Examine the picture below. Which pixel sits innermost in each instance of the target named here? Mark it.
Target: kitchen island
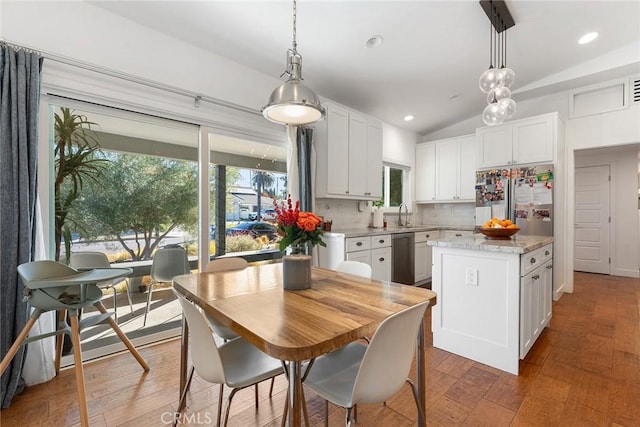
(494, 296)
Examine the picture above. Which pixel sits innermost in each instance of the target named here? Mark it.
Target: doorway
(592, 219)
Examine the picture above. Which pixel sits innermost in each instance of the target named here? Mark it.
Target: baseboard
(625, 272)
(557, 294)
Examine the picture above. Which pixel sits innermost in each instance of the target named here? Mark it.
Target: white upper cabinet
(521, 142)
(374, 159)
(467, 149)
(426, 172)
(349, 155)
(445, 170)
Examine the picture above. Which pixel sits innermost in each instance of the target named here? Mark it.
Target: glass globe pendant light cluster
(497, 80)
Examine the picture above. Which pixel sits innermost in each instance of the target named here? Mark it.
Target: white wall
(84, 32)
(399, 146)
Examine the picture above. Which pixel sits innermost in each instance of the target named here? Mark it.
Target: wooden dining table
(297, 326)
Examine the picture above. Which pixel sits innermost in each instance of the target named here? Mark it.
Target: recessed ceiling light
(374, 41)
(408, 118)
(588, 38)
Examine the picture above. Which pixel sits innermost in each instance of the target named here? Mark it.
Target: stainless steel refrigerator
(524, 195)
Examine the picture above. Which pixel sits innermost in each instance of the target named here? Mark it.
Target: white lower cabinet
(361, 256)
(456, 233)
(374, 251)
(381, 264)
(423, 255)
(535, 300)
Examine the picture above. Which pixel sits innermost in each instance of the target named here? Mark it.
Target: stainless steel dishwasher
(402, 251)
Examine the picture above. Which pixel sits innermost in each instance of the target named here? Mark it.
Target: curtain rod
(130, 78)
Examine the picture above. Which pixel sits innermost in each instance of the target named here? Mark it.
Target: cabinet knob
(428, 236)
(533, 261)
(381, 241)
(359, 244)
(381, 259)
(549, 267)
(546, 253)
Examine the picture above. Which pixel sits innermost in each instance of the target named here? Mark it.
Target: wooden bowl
(498, 233)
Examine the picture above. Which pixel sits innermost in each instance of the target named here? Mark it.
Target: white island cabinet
(494, 296)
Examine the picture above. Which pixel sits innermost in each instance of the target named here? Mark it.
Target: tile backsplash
(462, 214)
(347, 214)
(344, 213)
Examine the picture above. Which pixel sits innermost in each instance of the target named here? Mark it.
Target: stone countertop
(515, 245)
(363, 232)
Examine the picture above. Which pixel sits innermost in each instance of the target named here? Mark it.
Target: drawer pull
(359, 244)
(536, 277)
(549, 267)
(533, 260)
(381, 259)
(381, 241)
(458, 235)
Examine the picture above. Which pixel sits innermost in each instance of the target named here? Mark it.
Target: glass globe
(509, 107)
(493, 114)
(506, 76)
(488, 80)
(501, 92)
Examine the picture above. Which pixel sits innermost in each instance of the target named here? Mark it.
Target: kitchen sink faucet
(406, 213)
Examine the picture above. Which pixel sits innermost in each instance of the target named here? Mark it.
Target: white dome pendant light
(293, 103)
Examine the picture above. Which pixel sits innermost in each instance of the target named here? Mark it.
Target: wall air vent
(635, 89)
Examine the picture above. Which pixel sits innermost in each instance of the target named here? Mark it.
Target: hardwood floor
(583, 370)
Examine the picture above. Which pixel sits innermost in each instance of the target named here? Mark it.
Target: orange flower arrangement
(295, 227)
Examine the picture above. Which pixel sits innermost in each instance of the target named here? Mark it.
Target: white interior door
(592, 219)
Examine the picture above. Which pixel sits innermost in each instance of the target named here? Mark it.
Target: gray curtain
(19, 104)
(303, 146)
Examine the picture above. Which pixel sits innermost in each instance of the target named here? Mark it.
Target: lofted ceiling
(431, 57)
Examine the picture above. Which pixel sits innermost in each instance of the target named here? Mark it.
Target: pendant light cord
(490, 42)
(295, 43)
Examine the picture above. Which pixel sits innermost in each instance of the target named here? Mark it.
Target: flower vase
(296, 268)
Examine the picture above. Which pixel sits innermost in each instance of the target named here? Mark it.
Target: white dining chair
(236, 363)
(224, 264)
(168, 263)
(90, 260)
(359, 373)
(356, 268)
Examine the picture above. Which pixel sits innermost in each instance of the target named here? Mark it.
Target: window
(252, 177)
(394, 188)
(139, 192)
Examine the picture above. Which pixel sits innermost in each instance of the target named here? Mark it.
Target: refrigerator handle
(509, 194)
